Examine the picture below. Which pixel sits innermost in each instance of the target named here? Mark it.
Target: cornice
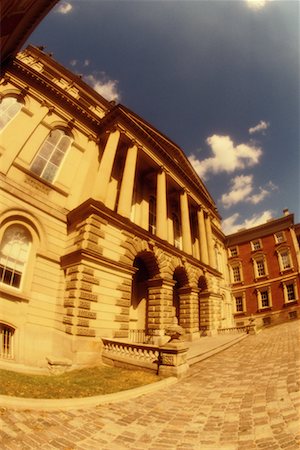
(55, 94)
(268, 228)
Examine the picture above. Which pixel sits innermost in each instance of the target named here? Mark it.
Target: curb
(66, 404)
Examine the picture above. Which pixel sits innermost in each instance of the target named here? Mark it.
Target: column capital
(184, 190)
(162, 168)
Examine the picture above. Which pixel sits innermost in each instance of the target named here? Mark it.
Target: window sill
(290, 303)
(262, 277)
(240, 313)
(12, 294)
(288, 269)
(266, 308)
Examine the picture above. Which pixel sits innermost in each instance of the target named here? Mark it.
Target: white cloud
(241, 188)
(86, 62)
(261, 126)
(107, 88)
(256, 5)
(227, 157)
(73, 62)
(231, 225)
(64, 8)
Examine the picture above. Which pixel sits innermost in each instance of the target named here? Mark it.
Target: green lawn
(77, 383)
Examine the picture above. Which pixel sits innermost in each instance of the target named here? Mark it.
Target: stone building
(105, 228)
(264, 266)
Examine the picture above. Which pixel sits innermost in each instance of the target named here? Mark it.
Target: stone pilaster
(79, 298)
(160, 299)
(189, 310)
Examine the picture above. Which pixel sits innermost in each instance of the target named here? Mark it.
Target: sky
(218, 77)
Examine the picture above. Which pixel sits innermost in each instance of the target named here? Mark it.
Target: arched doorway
(138, 311)
(181, 280)
(202, 303)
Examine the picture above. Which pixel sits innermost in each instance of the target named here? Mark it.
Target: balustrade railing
(235, 330)
(137, 336)
(138, 352)
(167, 360)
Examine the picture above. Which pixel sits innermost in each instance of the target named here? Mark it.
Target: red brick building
(264, 264)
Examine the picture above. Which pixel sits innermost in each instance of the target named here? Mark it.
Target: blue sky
(220, 78)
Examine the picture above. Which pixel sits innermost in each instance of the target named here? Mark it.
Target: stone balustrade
(249, 329)
(167, 360)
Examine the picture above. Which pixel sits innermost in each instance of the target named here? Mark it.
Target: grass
(77, 383)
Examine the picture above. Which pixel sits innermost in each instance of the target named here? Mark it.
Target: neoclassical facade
(105, 228)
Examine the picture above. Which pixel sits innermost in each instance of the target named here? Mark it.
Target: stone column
(210, 242)
(127, 185)
(106, 165)
(185, 223)
(202, 236)
(161, 205)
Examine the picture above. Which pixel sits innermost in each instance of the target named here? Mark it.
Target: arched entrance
(181, 280)
(139, 301)
(203, 305)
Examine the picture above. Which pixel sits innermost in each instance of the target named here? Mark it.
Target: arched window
(50, 154)
(14, 252)
(9, 108)
(6, 341)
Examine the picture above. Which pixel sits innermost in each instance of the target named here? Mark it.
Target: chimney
(286, 212)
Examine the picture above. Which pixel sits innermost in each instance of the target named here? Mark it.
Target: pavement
(245, 397)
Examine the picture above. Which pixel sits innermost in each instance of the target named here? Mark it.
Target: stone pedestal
(173, 359)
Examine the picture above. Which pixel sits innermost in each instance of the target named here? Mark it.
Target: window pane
(46, 150)
(49, 172)
(264, 299)
(57, 157)
(38, 165)
(54, 136)
(64, 143)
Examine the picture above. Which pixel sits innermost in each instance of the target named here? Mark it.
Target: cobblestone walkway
(244, 398)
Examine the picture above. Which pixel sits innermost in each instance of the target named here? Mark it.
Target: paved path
(244, 398)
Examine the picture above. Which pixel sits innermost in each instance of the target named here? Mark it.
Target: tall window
(9, 108)
(50, 155)
(260, 266)
(177, 231)
(285, 260)
(264, 299)
(236, 274)
(239, 307)
(152, 214)
(14, 253)
(290, 290)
